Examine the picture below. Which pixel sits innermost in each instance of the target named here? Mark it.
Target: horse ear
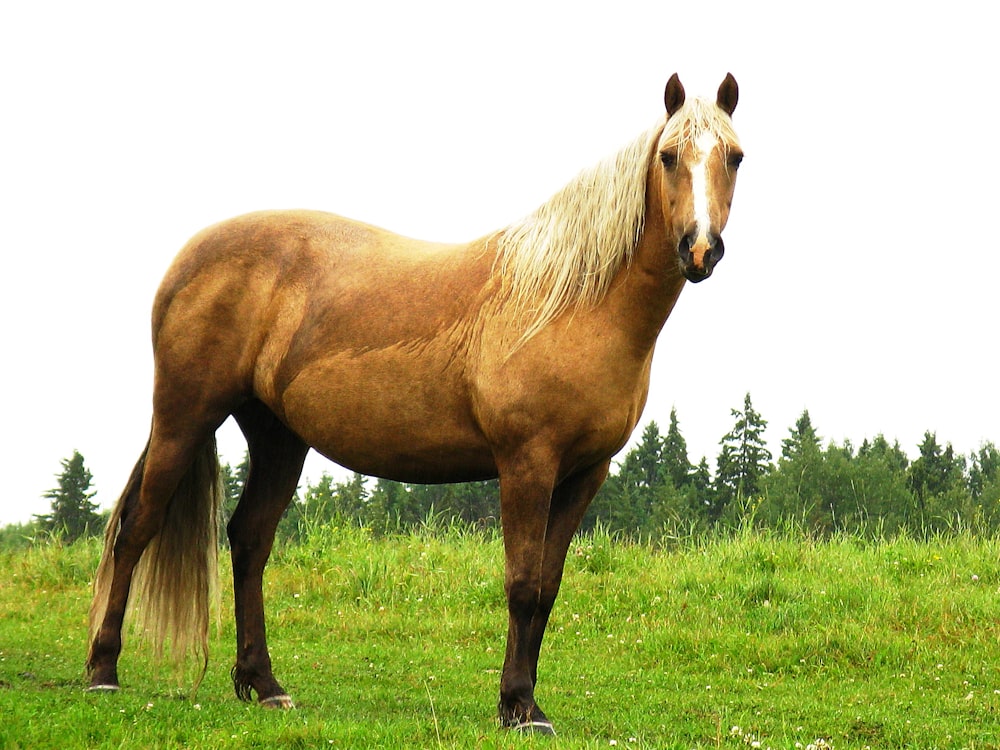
(729, 94)
(674, 95)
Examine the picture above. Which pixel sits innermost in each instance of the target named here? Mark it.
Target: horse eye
(735, 160)
(669, 159)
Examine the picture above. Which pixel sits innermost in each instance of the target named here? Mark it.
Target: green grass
(397, 642)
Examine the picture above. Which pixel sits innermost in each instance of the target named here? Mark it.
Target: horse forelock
(567, 252)
(695, 119)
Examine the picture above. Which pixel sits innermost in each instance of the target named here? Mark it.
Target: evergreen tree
(472, 502)
(984, 469)
(351, 498)
(880, 482)
(701, 492)
(73, 514)
(879, 448)
(641, 468)
(641, 477)
(392, 506)
(343, 502)
(743, 461)
(802, 438)
(935, 471)
(794, 491)
(674, 454)
(937, 480)
(233, 482)
(627, 500)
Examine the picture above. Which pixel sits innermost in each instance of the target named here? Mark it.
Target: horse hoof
(534, 727)
(277, 701)
(103, 689)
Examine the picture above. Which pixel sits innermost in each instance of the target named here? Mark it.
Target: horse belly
(389, 416)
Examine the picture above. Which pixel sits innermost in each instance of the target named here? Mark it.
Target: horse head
(699, 155)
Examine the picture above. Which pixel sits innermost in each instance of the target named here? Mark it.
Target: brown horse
(523, 355)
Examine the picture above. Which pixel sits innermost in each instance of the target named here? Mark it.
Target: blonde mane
(568, 251)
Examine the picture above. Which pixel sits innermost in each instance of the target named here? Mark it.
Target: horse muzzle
(697, 256)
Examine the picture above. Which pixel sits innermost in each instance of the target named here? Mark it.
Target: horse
(523, 355)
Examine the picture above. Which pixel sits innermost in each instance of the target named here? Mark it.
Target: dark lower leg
(276, 456)
(139, 524)
(569, 504)
(525, 498)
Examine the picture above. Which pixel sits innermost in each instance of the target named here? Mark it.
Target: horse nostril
(716, 251)
(684, 249)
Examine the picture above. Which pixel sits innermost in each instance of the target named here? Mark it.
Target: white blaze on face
(704, 146)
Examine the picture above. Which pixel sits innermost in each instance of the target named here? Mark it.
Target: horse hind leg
(105, 630)
(276, 459)
(172, 496)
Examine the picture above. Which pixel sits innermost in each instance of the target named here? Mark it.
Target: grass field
(753, 641)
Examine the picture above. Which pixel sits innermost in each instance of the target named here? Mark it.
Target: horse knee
(523, 594)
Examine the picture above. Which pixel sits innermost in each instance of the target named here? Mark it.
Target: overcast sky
(861, 260)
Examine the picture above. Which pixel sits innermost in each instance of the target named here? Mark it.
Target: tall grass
(396, 640)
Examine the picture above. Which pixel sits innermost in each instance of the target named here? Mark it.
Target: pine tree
(701, 492)
(936, 470)
(801, 439)
(73, 514)
(795, 489)
(641, 467)
(393, 507)
(233, 481)
(984, 470)
(743, 461)
(674, 454)
(894, 456)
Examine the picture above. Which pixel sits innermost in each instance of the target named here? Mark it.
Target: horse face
(698, 158)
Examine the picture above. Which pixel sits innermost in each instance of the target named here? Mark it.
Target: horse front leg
(569, 504)
(276, 458)
(525, 499)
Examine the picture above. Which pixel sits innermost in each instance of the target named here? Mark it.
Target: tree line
(655, 491)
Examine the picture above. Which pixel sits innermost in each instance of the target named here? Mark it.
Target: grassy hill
(756, 640)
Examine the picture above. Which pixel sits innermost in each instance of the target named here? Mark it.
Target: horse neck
(649, 286)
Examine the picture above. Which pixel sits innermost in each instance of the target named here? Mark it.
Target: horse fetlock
(247, 681)
(102, 669)
(526, 718)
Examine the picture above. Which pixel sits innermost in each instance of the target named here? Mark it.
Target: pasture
(753, 640)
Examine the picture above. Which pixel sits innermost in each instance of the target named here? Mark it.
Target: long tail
(176, 579)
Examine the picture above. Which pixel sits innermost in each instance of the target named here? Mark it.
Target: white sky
(861, 265)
